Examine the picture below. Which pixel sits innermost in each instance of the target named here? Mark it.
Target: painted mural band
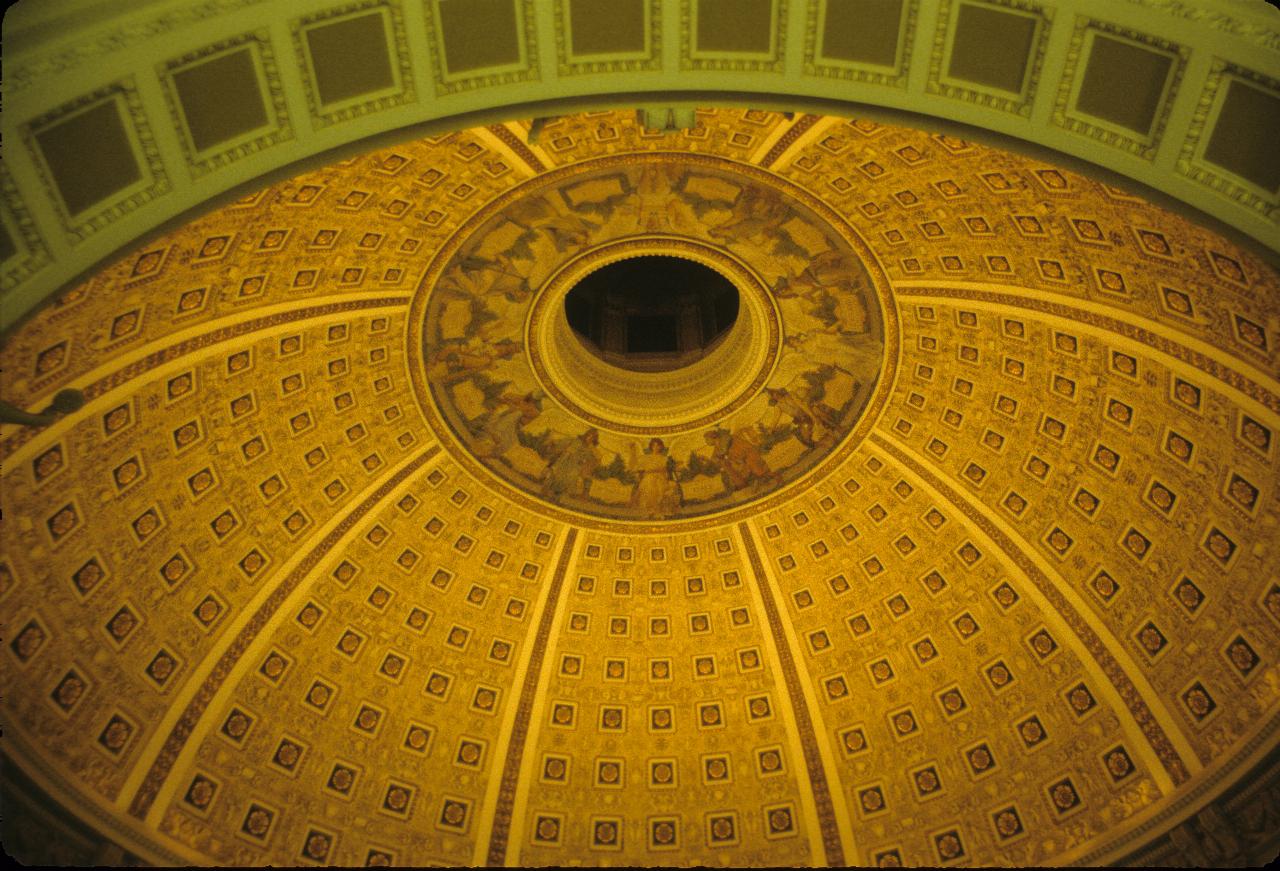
(480, 294)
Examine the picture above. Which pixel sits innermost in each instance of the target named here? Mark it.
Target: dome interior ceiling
(123, 121)
(290, 588)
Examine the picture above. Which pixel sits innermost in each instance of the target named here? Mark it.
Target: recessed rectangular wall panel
(221, 98)
(355, 59)
(862, 31)
(992, 47)
(226, 101)
(479, 34)
(350, 57)
(89, 155)
(1124, 83)
(22, 250)
(1246, 136)
(739, 26)
(601, 27)
(1118, 86)
(8, 248)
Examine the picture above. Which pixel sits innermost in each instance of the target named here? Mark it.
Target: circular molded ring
(654, 403)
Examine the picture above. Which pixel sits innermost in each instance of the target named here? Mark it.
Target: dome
(955, 544)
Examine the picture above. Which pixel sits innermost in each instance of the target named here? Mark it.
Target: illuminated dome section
(957, 546)
(604, 431)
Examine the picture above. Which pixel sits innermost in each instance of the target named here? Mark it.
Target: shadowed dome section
(652, 313)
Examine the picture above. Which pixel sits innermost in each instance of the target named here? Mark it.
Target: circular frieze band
(494, 359)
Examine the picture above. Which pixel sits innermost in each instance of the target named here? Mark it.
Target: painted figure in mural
(537, 215)
(754, 213)
(829, 283)
(454, 362)
(658, 206)
(790, 406)
(738, 458)
(499, 431)
(656, 493)
(571, 472)
(497, 275)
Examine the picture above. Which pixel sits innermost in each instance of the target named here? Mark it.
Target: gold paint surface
(267, 603)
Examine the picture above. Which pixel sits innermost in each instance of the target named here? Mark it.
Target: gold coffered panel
(208, 98)
(267, 607)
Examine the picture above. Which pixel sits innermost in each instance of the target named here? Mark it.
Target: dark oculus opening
(652, 313)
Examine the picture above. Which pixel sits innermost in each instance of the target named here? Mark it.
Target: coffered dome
(958, 547)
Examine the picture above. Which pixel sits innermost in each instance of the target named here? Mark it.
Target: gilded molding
(498, 838)
(800, 708)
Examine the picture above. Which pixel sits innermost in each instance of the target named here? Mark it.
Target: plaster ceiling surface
(989, 577)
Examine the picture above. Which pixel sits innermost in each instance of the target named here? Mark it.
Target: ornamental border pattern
(798, 129)
(1266, 37)
(21, 77)
(800, 708)
(508, 138)
(33, 254)
(505, 807)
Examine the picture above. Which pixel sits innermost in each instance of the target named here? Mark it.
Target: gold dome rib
(264, 608)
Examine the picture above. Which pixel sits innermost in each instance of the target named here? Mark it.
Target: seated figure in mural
(740, 461)
(571, 472)
(789, 405)
(657, 200)
(656, 493)
(498, 431)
